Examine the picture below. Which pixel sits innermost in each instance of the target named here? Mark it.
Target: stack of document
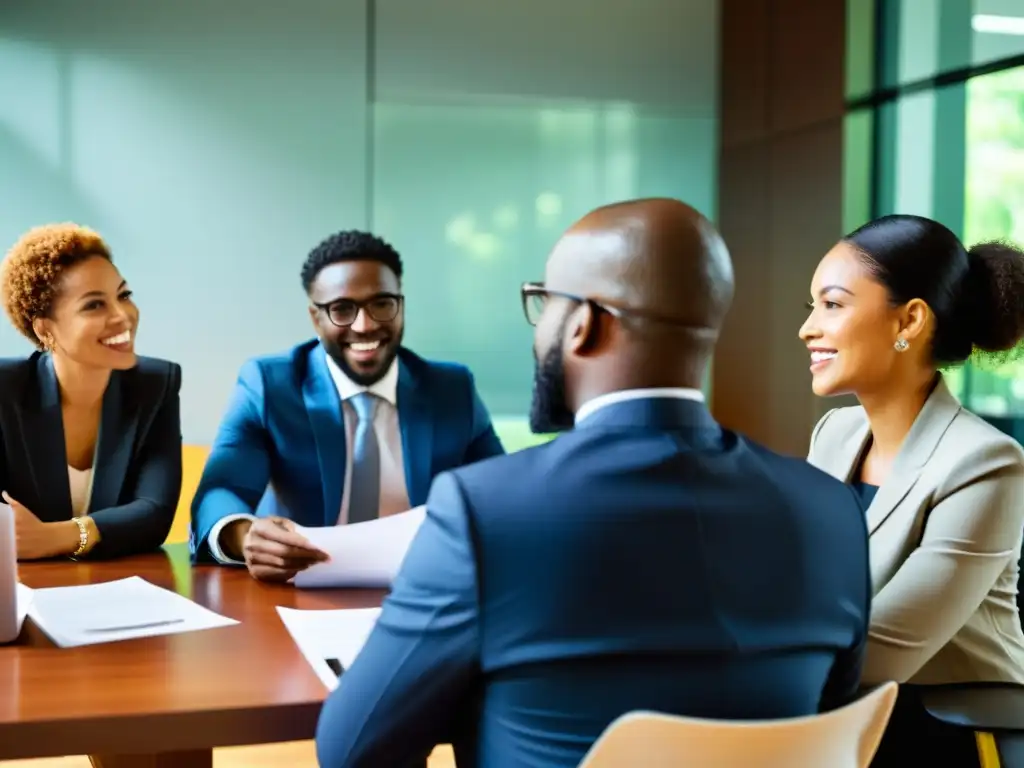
(116, 610)
(330, 640)
(362, 554)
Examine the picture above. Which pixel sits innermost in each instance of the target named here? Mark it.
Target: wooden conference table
(165, 701)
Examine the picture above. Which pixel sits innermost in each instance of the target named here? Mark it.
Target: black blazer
(137, 467)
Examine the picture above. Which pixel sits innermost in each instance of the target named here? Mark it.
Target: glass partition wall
(935, 127)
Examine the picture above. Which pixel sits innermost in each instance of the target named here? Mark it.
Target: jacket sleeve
(484, 442)
(238, 469)
(402, 695)
(970, 536)
(143, 523)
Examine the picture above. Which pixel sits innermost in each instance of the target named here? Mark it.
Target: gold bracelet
(83, 536)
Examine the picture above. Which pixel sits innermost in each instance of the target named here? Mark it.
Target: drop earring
(901, 345)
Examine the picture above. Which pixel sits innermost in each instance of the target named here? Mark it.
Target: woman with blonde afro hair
(90, 432)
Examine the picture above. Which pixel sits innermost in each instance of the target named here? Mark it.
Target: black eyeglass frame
(529, 290)
(362, 306)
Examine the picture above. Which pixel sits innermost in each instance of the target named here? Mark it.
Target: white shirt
(80, 485)
(394, 496)
(602, 401)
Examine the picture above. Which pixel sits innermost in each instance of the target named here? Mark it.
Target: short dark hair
(976, 294)
(349, 245)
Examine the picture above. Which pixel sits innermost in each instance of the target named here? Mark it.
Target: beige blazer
(945, 531)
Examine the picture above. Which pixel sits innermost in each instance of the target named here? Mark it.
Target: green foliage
(994, 208)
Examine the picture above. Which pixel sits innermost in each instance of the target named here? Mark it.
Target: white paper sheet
(24, 596)
(323, 635)
(117, 610)
(363, 554)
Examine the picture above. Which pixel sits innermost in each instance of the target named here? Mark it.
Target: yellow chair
(193, 459)
(988, 750)
(993, 711)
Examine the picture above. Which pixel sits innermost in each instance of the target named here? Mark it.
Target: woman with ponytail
(893, 304)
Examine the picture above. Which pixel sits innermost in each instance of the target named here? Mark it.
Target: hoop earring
(901, 345)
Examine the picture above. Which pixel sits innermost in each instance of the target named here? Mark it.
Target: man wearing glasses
(646, 559)
(344, 428)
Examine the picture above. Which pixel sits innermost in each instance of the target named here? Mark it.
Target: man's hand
(36, 539)
(273, 551)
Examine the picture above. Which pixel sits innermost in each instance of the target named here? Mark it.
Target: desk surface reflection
(184, 694)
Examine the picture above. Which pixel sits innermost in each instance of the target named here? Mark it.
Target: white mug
(9, 628)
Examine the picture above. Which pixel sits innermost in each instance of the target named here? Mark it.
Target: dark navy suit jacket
(137, 467)
(646, 560)
(285, 426)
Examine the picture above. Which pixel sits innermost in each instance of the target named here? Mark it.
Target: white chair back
(842, 738)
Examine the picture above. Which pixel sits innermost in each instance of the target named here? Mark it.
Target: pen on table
(128, 627)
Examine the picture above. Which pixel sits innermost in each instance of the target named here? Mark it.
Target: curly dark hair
(976, 294)
(349, 245)
(31, 271)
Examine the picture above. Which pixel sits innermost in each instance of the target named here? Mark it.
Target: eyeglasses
(535, 297)
(383, 308)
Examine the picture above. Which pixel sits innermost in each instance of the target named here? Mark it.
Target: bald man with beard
(647, 558)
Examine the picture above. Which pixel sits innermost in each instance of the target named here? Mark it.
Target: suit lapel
(43, 429)
(930, 425)
(327, 421)
(843, 463)
(415, 417)
(119, 422)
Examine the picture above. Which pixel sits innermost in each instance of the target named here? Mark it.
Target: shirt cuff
(214, 543)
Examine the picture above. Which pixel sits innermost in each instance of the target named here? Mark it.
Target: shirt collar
(386, 388)
(602, 401)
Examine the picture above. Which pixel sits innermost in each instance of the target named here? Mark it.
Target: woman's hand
(36, 539)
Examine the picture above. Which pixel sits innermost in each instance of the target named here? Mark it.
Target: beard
(363, 378)
(549, 411)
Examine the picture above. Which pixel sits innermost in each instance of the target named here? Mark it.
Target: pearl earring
(901, 345)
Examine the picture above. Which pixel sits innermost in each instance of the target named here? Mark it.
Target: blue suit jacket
(646, 560)
(284, 426)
